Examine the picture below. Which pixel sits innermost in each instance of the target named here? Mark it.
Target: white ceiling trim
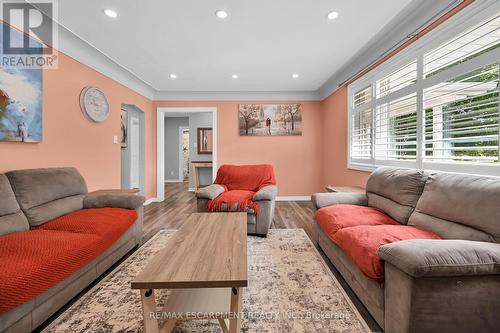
(237, 95)
(396, 30)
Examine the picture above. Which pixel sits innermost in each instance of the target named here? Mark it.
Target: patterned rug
(290, 289)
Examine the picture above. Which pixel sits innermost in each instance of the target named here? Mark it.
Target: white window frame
(467, 18)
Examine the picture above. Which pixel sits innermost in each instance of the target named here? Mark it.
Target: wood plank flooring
(179, 204)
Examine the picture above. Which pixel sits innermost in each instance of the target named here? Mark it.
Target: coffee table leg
(235, 324)
(149, 311)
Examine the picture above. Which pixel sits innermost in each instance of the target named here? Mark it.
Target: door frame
(142, 143)
(160, 143)
(181, 155)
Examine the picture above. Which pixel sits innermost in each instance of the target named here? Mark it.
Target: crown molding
(399, 28)
(237, 95)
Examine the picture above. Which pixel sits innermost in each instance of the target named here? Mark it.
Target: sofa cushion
(34, 261)
(45, 194)
(395, 191)
(333, 218)
(450, 257)
(12, 218)
(97, 221)
(361, 243)
(465, 206)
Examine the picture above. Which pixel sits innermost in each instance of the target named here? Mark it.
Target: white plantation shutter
(398, 79)
(435, 108)
(363, 96)
(396, 129)
(361, 135)
(461, 118)
(475, 41)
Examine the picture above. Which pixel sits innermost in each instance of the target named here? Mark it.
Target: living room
(221, 166)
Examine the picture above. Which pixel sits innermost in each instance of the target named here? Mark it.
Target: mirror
(205, 140)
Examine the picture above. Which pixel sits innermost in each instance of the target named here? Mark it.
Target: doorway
(184, 153)
(192, 113)
(132, 148)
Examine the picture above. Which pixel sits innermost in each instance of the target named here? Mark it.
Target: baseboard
(294, 198)
(173, 181)
(151, 200)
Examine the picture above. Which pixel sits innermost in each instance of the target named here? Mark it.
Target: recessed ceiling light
(221, 14)
(295, 76)
(111, 13)
(173, 76)
(234, 76)
(332, 15)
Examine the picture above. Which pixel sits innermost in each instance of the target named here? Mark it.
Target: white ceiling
(263, 41)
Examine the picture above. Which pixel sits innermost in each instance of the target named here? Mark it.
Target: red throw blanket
(240, 183)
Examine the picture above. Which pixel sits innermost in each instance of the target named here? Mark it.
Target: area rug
(290, 289)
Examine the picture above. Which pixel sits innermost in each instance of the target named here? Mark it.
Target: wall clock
(94, 104)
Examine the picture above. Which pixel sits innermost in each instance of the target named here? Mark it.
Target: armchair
(249, 188)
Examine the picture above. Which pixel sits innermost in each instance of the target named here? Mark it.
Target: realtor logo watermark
(28, 34)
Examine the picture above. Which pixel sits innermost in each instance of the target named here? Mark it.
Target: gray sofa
(256, 224)
(448, 285)
(30, 198)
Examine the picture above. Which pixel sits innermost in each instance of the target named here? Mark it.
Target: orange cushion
(36, 260)
(333, 218)
(361, 243)
(97, 221)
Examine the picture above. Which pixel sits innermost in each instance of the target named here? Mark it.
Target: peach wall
(335, 169)
(297, 160)
(69, 139)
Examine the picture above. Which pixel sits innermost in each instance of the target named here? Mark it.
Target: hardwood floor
(179, 204)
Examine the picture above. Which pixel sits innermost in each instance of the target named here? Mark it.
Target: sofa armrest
(267, 193)
(321, 200)
(210, 192)
(114, 200)
(427, 258)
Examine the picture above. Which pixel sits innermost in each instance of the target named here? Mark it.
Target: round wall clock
(94, 104)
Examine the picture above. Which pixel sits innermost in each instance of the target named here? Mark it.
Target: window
(445, 119)
(362, 135)
(461, 118)
(397, 80)
(396, 129)
(363, 96)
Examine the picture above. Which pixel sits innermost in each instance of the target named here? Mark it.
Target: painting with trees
(270, 119)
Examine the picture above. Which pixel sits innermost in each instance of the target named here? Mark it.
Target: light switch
(115, 139)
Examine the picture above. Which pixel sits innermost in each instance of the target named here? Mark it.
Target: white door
(134, 152)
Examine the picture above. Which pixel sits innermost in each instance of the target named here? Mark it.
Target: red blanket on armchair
(240, 183)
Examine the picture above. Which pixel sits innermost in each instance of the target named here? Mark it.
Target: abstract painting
(20, 104)
(270, 119)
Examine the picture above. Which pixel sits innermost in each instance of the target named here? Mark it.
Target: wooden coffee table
(204, 264)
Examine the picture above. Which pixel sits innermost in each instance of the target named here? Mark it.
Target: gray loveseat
(38, 210)
(446, 285)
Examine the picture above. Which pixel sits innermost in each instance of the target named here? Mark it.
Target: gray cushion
(116, 200)
(425, 258)
(12, 218)
(210, 192)
(266, 193)
(462, 200)
(321, 200)
(395, 191)
(45, 194)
